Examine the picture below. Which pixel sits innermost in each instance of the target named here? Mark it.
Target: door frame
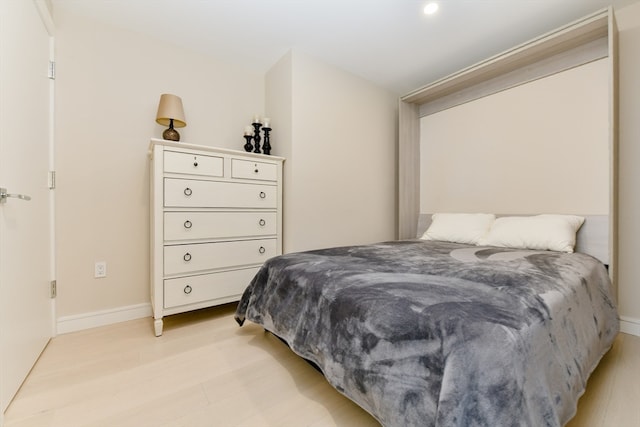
(45, 12)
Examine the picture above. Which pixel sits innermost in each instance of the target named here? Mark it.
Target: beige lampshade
(170, 107)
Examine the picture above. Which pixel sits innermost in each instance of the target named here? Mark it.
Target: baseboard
(629, 325)
(79, 322)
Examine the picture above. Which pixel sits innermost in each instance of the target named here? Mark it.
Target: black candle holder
(256, 137)
(266, 147)
(247, 146)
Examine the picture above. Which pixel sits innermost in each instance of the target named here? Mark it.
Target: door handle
(4, 195)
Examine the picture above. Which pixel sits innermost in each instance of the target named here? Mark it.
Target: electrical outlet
(100, 269)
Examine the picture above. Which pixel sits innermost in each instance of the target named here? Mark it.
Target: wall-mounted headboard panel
(538, 147)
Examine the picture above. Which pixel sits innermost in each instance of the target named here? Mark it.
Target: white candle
(256, 119)
(266, 122)
(248, 130)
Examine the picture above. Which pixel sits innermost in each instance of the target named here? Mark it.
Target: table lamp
(170, 113)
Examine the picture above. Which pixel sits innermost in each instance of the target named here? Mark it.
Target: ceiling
(389, 42)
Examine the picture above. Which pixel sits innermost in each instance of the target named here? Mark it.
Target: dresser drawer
(216, 225)
(180, 259)
(213, 194)
(247, 169)
(195, 289)
(193, 164)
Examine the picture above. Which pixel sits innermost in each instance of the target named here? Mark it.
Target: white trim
(629, 325)
(576, 57)
(79, 322)
(44, 8)
(574, 34)
(52, 193)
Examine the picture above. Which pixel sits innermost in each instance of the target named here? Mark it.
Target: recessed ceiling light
(431, 8)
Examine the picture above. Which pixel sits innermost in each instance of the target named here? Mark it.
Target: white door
(25, 304)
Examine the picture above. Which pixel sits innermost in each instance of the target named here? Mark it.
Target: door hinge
(52, 180)
(52, 70)
(54, 289)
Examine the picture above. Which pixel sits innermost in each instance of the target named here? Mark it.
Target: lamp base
(171, 134)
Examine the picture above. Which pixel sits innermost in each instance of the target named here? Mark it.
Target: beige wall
(279, 107)
(337, 131)
(340, 147)
(335, 125)
(107, 89)
(629, 172)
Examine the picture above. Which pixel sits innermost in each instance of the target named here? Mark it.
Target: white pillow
(459, 227)
(541, 232)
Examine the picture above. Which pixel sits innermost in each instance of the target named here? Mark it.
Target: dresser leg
(157, 324)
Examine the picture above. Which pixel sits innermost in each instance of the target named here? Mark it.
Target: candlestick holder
(256, 137)
(247, 146)
(266, 147)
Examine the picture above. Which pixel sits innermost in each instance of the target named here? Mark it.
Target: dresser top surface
(183, 145)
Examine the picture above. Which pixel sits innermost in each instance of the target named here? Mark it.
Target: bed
(449, 332)
(427, 332)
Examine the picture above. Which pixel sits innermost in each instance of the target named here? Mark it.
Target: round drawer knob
(262, 222)
(188, 224)
(263, 195)
(195, 164)
(188, 191)
(256, 171)
(188, 289)
(262, 250)
(187, 257)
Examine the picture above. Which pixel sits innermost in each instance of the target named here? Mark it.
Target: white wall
(629, 173)
(108, 85)
(340, 145)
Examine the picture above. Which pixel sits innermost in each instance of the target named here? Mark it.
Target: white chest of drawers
(216, 216)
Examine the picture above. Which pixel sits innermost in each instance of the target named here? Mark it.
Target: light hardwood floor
(206, 371)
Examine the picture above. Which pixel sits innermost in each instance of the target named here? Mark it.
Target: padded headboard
(592, 238)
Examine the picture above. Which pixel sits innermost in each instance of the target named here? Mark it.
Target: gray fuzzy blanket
(440, 334)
